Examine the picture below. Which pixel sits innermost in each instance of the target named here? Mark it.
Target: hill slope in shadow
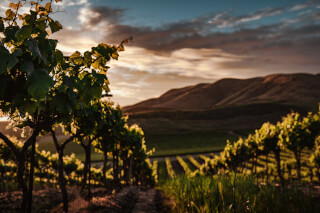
(290, 89)
(227, 105)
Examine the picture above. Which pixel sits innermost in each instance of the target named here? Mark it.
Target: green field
(164, 144)
(173, 144)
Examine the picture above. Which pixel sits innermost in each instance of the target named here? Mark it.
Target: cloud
(297, 43)
(139, 74)
(71, 3)
(4, 5)
(197, 33)
(202, 49)
(131, 86)
(307, 4)
(224, 19)
(196, 63)
(93, 16)
(71, 40)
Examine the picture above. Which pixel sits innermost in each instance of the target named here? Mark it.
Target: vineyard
(192, 165)
(285, 155)
(43, 91)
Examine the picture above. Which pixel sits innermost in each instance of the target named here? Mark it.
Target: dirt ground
(131, 199)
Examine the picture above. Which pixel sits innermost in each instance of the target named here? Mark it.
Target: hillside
(290, 89)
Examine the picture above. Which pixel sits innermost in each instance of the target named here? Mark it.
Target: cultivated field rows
(170, 167)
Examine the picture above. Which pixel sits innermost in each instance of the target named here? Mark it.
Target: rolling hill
(301, 90)
(227, 105)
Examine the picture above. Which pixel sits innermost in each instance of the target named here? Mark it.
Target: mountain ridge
(299, 89)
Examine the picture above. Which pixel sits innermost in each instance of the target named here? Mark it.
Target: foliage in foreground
(42, 89)
(215, 194)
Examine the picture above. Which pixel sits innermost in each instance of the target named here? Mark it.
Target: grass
(215, 194)
(162, 173)
(175, 144)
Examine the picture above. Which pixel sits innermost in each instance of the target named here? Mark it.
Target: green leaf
(41, 25)
(12, 61)
(10, 32)
(55, 26)
(59, 56)
(33, 47)
(46, 48)
(30, 107)
(61, 103)
(27, 66)
(53, 43)
(76, 58)
(4, 55)
(30, 18)
(39, 82)
(8, 60)
(99, 63)
(17, 52)
(19, 100)
(87, 59)
(24, 33)
(4, 79)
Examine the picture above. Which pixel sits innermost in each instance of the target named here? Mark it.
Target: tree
(295, 136)
(235, 154)
(82, 82)
(28, 60)
(315, 157)
(268, 141)
(109, 133)
(38, 84)
(136, 154)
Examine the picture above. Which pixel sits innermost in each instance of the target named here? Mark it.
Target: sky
(179, 43)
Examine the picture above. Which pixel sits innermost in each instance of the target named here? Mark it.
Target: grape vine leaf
(4, 55)
(10, 14)
(27, 66)
(55, 26)
(24, 32)
(76, 58)
(8, 60)
(33, 47)
(40, 83)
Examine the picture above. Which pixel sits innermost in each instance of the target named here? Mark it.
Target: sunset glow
(175, 46)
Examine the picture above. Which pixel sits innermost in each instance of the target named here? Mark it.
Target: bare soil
(126, 200)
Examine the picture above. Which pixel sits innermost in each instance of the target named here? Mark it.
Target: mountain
(301, 90)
